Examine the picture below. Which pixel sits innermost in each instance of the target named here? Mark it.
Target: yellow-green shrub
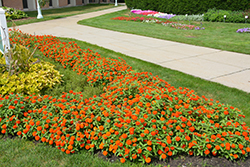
(39, 76)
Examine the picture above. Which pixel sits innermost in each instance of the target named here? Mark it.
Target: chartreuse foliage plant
(26, 74)
(12, 14)
(138, 117)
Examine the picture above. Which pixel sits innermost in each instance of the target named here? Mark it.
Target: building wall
(63, 3)
(79, 2)
(17, 4)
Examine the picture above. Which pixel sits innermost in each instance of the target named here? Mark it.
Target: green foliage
(188, 6)
(19, 59)
(215, 15)
(12, 14)
(24, 73)
(43, 2)
(39, 76)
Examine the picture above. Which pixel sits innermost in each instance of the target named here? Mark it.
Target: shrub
(12, 14)
(25, 74)
(187, 6)
(215, 15)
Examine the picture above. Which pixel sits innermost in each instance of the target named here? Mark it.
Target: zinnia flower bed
(138, 117)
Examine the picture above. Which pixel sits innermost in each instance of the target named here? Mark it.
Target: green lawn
(50, 14)
(25, 153)
(216, 35)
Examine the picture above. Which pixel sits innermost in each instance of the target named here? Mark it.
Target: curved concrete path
(228, 68)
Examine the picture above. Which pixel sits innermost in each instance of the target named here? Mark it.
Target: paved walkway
(228, 68)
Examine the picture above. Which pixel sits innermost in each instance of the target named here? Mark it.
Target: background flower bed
(163, 22)
(130, 100)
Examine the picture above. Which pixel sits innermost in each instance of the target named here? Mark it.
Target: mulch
(175, 161)
(188, 161)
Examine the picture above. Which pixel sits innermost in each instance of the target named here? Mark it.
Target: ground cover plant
(216, 35)
(138, 117)
(50, 14)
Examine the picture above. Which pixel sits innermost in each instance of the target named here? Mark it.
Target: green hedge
(188, 6)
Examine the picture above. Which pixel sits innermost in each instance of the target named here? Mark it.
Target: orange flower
(209, 146)
(148, 104)
(170, 153)
(128, 142)
(139, 151)
(67, 151)
(187, 138)
(105, 153)
(149, 143)
(177, 138)
(241, 146)
(217, 147)
(207, 152)
(122, 160)
(134, 156)
(148, 160)
(4, 126)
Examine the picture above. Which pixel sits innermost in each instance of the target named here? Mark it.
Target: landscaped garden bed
(218, 35)
(139, 117)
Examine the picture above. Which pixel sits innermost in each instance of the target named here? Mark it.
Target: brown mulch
(177, 161)
(188, 161)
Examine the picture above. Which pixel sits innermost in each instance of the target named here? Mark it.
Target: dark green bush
(188, 6)
(231, 16)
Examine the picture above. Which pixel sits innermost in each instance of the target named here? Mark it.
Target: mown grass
(50, 14)
(216, 34)
(25, 153)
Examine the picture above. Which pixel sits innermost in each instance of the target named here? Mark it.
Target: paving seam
(230, 74)
(192, 57)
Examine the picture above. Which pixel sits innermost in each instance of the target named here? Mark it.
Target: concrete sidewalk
(228, 68)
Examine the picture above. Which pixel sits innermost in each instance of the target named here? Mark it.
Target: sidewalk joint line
(230, 73)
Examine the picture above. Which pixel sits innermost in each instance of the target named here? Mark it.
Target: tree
(42, 3)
